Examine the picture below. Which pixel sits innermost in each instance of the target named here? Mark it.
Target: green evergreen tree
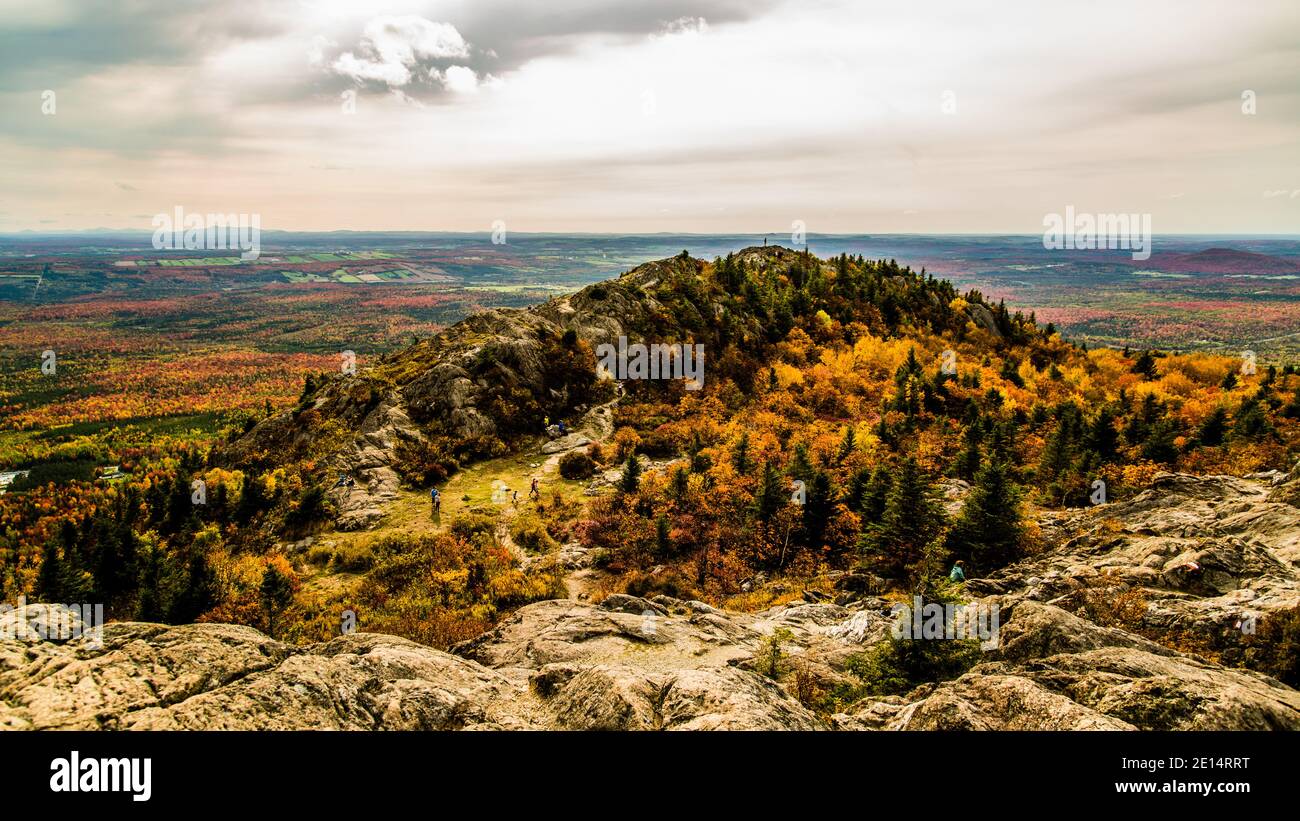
(988, 533)
(631, 478)
(770, 495)
(740, 458)
(276, 593)
(1213, 428)
(911, 519)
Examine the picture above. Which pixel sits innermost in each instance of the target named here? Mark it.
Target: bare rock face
(555, 665)
(214, 676)
(632, 663)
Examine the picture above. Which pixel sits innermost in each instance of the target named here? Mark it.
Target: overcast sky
(593, 115)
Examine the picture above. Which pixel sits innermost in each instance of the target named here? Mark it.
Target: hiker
(958, 573)
(514, 499)
(435, 499)
(343, 480)
(533, 491)
(564, 430)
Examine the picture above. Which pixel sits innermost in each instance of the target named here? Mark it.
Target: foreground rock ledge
(568, 665)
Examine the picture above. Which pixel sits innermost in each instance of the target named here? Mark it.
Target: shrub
(311, 506)
(648, 585)
(770, 660)
(354, 559)
(422, 463)
(469, 525)
(1274, 649)
(530, 534)
(576, 465)
(895, 666)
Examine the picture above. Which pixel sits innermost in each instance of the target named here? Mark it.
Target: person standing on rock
(958, 573)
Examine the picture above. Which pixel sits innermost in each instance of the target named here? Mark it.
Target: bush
(469, 525)
(1275, 648)
(576, 465)
(311, 507)
(648, 585)
(354, 559)
(422, 463)
(895, 666)
(770, 660)
(530, 534)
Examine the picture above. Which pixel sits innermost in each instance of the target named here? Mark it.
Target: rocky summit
(661, 663)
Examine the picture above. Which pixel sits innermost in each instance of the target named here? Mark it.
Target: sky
(634, 117)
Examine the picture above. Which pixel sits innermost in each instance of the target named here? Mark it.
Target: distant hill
(1225, 261)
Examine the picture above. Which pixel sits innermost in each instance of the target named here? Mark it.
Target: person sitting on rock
(958, 573)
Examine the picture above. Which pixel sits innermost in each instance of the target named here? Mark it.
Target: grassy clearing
(469, 491)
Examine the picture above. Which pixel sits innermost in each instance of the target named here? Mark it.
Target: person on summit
(958, 573)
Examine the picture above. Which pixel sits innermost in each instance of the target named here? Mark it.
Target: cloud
(395, 49)
(760, 111)
(460, 79)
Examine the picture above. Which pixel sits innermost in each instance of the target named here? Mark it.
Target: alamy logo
(1090, 232)
(654, 361)
(210, 232)
(947, 621)
(77, 774)
(53, 622)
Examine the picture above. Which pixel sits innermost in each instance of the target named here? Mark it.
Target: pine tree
(1102, 438)
(1159, 446)
(967, 462)
(911, 519)
(849, 443)
(1145, 365)
(196, 591)
(740, 459)
(663, 537)
(770, 495)
(987, 534)
(817, 509)
(875, 495)
(149, 606)
(49, 581)
(631, 478)
(1212, 430)
(276, 592)
(801, 466)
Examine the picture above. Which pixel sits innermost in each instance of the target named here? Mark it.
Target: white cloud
(460, 79)
(392, 46)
